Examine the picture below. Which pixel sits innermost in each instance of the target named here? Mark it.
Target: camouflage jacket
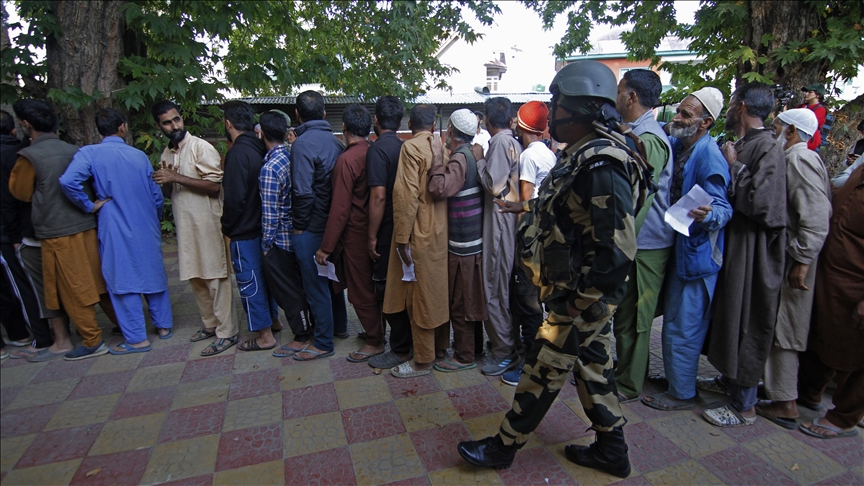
(578, 236)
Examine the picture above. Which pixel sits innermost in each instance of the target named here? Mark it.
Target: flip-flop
(24, 353)
(202, 334)
(252, 345)
(405, 370)
(166, 336)
(667, 403)
(448, 365)
(220, 345)
(809, 406)
(45, 355)
(840, 432)
(361, 360)
(315, 355)
(127, 349)
(285, 351)
(765, 408)
(341, 335)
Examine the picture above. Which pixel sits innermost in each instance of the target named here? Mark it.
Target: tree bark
(843, 134)
(85, 54)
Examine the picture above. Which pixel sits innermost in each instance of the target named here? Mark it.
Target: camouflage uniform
(579, 242)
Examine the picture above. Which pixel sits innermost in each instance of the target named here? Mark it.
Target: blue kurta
(129, 232)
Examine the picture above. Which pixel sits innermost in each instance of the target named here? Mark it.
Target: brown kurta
(748, 289)
(840, 281)
(422, 224)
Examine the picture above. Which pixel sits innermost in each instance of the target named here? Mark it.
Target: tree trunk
(843, 134)
(85, 54)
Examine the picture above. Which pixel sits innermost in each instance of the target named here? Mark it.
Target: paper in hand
(328, 270)
(678, 216)
(408, 270)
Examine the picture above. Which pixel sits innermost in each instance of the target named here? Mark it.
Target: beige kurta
(422, 223)
(808, 208)
(200, 246)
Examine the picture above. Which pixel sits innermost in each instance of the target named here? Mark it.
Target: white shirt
(535, 163)
(482, 139)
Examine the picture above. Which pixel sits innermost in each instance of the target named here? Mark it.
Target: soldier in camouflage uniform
(579, 242)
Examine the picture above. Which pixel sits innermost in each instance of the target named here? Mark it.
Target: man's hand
(797, 274)
(404, 253)
(98, 205)
(858, 315)
(509, 206)
(700, 213)
(851, 158)
(165, 174)
(321, 257)
(370, 248)
(437, 150)
(729, 153)
(477, 151)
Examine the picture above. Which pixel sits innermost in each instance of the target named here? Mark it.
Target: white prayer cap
(712, 100)
(802, 118)
(465, 121)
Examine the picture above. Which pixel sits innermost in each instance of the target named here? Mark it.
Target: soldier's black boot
(489, 452)
(608, 453)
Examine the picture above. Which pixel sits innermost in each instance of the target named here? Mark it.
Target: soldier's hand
(509, 206)
(858, 315)
(797, 274)
(700, 213)
(98, 205)
(371, 248)
(477, 151)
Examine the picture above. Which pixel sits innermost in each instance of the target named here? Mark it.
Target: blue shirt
(275, 185)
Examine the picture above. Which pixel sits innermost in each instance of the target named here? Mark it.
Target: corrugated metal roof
(431, 98)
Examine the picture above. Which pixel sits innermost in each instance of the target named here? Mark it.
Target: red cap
(533, 116)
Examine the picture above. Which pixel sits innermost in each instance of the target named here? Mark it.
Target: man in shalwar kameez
(129, 233)
(419, 238)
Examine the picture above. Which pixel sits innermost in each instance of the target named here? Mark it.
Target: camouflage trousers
(561, 343)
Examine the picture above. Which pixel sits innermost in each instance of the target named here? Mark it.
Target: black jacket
(14, 214)
(241, 210)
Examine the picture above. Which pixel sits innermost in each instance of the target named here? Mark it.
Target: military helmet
(586, 78)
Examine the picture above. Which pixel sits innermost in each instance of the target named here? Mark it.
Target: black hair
(861, 126)
(37, 113)
(357, 120)
(758, 99)
(646, 84)
(460, 135)
(240, 114)
(390, 111)
(481, 117)
(310, 106)
(274, 126)
(162, 107)
(108, 121)
(498, 112)
(423, 116)
(7, 123)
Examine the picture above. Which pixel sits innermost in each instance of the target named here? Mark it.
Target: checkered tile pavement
(171, 416)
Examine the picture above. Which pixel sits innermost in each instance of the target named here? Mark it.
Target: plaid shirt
(275, 183)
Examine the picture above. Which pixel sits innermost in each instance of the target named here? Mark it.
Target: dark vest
(465, 211)
(53, 213)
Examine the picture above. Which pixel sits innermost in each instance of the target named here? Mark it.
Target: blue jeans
(328, 308)
(743, 397)
(247, 260)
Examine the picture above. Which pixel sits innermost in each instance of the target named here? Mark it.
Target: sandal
(285, 351)
(765, 408)
(220, 345)
(252, 345)
(24, 353)
(713, 385)
(169, 335)
(128, 349)
(315, 354)
(365, 358)
(667, 403)
(405, 370)
(202, 334)
(726, 416)
(839, 433)
(449, 365)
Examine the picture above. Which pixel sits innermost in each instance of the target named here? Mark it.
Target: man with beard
(748, 290)
(696, 260)
(191, 175)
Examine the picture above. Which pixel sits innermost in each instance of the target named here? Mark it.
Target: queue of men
(441, 243)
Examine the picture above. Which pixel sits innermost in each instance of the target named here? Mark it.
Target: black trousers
(20, 308)
(282, 274)
(525, 306)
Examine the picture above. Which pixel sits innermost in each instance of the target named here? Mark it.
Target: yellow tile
(43, 393)
(268, 473)
(362, 391)
(313, 434)
(111, 363)
(201, 392)
(631, 416)
(128, 434)
(248, 362)
(76, 413)
(301, 375)
(425, 411)
(783, 451)
(488, 425)
(54, 473)
(252, 412)
(181, 459)
(506, 391)
(692, 434)
(460, 379)
(464, 475)
(386, 460)
(689, 472)
(20, 375)
(574, 404)
(12, 448)
(586, 476)
(156, 376)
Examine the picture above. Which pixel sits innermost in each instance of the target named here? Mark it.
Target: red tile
(167, 355)
(740, 466)
(535, 466)
(26, 420)
(741, 435)
(59, 445)
(201, 369)
(634, 481)
(120, 468)
(568, 390)
(313, 400)
(648, 413)
(205, 480)
(250, 446)
(8, 394)
(343, 370)
(105, 384)
(261, 382)
(372, 422)
(649, 449)
(62, 370)
(418, 481)
(9, 363)
(846, 479)
(477, 401)
(411, 387)
(561, 425)
(437, 445)
(333, 467)
(145, 402)
(188, 423)
(847, 451)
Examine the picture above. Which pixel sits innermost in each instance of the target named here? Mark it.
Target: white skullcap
(802, 118)
(712, 100)
(465, 121)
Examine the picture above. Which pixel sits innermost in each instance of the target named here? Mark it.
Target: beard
(176, 136)
(682, 132)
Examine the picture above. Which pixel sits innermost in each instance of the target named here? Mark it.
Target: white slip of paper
(408, 270)
(678, 216)
(328, 270)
